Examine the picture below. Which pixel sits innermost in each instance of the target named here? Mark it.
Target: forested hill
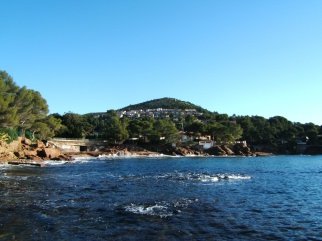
(165, 103)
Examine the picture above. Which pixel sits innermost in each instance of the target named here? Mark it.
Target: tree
(140, 128)
(164, 128)
(76, 126)
(31, 108)
(8, 91)
(232, 132)
(196, 127)
(262, 133)
(115, 131)
(21, 108)
(282, 129)
(46, 128)
(224, 132)
(312, 132)
(214, 129)
(248, 127)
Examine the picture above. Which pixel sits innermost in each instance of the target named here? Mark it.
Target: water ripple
(164, 199)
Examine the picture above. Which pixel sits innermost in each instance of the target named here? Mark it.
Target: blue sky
(244, 57)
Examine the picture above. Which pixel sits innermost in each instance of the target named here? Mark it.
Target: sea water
(266, 198)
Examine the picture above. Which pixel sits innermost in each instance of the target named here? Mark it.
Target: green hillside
(165, 103)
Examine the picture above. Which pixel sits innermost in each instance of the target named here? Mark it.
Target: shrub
(8, 135)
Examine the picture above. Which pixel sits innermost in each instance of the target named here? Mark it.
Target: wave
(237, 177)
(202, 177)
(82, 160)
(4, 166)
(125, 156)
(152, 210)
(160, 209)
(55, 163)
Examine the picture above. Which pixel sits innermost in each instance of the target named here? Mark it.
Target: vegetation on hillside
(276, 134)
(165, 103)
(23, 111)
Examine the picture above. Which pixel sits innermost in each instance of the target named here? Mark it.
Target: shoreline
(24, 152)
(85, 156)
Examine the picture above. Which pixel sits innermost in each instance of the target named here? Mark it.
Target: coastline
(25, 152)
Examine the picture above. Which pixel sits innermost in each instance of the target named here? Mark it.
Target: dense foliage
(114, 129)
(275, 134)
(23, 111)
(165, 103)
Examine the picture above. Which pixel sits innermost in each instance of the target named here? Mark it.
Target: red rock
(35, 158)
(26, 141)
(227, 150)
(50, 153)
(40, 144)
(19, 154)
(30, 154)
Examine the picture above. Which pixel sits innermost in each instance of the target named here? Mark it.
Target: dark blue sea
(264, 198)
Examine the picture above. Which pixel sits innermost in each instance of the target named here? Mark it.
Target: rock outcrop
(216, 151)
(242, 150)
(224, 150)
(5, 152)
(24, 149)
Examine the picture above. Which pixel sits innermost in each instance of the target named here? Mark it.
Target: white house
(206, 144)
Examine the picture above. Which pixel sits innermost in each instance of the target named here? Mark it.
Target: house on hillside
(186, 137)
(206, 144)
(203, 138)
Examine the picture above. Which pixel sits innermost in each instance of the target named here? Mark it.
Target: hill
(165, 103)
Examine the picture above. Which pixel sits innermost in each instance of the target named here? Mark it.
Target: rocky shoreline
(23, 151)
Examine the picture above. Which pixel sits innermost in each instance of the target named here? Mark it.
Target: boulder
(59, 158)
(216, 150)
(40, 144)
(241, 149)
(30, 154)
(49, 153)
(35, 158)
(5, 156)
(20, 154)
(26, 141)
(15, 146)
(227, 150)
(181, 151)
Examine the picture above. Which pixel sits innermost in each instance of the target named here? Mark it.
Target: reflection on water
(276, 198)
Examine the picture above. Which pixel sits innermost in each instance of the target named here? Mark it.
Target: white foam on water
(222, 177)
(4, 166)
(208, 178)
(75, 160)
(238, 177)
(55, 163)
(82, 160)
(152, 210)
(202, 177)
(130, 155)
(161, 209)
(184, 203)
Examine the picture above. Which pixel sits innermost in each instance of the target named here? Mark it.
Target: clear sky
(244, 57)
